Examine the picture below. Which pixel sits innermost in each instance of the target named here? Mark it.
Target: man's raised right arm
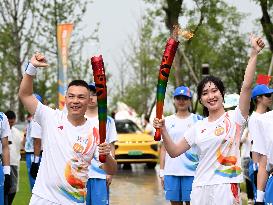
(26, 87)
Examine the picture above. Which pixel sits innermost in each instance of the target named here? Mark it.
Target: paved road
(137, 186)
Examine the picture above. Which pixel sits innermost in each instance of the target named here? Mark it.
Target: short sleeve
(256, 132)
(41, 113)
(111, 130)
(265, 129)
(5, 128)
(268, 115)
(238, 117)
(36, 130)
(190, 135)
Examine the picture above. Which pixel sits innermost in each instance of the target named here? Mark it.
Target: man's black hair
(10, 114)
(78, 83)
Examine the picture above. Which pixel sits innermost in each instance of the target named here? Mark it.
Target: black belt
(33, 152)
(29, 152)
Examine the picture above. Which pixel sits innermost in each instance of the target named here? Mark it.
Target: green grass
(22, 197)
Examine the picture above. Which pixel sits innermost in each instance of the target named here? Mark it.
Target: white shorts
(224, 194)
(36, 200)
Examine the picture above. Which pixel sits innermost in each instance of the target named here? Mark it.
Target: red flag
(263, 79)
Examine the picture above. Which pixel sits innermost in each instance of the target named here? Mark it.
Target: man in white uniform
(179, 172)
(265, 148)
(69, 142)
(15, 155)
(32, 145)
(262, 98)
(36, 135)
(5, 181)
(99, 182)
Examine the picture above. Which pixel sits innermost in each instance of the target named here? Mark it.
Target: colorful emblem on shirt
(76, 170)
(229, 167)
(219, 131)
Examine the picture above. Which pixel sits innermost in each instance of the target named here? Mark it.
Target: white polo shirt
(217, 145)
(4, 128)
(68, 151)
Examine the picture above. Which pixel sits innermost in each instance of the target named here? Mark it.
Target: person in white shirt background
(99, 182)
(5, 181)
(29, 146)
(231, 102)
(246, 144)
(217, 138)
(261, 102)
(69, 142)
(148, 127)
(265, 149)
(177, 174)
(15, 146)
(36, 135)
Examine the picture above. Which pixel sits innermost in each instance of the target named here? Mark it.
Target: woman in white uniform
(217, 138)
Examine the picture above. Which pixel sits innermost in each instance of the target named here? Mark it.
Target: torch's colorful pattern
(164, 71)
(101, 90)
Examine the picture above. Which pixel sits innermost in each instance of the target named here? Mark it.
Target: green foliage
(217, 41)
(266, 20)
(144, 64)
(27, 26)
(54, 13)
(16, 38)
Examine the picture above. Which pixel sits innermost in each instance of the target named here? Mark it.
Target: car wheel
(151, 165)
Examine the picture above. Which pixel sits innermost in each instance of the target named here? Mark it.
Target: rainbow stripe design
(101, 91)
(229, 161)
(163, 76)
(76, 170)
(230, 172)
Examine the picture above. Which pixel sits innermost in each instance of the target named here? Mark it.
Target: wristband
(30, 69)
(6, 170)
(161, 173)
(260, 196)
(36, 159)
(255, 166)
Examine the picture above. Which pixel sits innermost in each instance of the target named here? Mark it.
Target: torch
(164, 71)
(101, 91)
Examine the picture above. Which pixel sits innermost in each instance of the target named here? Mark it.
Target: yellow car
(134, 146)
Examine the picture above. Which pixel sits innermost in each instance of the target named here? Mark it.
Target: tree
(142, 65)
(266, 21)
(216, 41)
(54, 13)
(18, 26)
(26, 26)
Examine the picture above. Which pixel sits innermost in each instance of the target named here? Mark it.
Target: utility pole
(205, 70)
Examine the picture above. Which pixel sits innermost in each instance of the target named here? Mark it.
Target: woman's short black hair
(217, 82)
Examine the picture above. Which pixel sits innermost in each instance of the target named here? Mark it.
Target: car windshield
(126, 126)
